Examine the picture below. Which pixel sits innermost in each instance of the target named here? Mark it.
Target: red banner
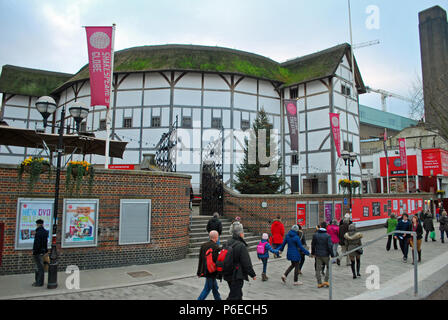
(99, 44)
(291, 113)
(435, 162)
(336, 130)
(402, 147)
(122, 166)
(301, 214)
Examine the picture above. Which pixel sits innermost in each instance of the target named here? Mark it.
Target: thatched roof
(30, 82)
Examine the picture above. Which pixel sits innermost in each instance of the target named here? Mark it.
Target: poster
(336, 130)
(28, 211)
(376, 209)
(395, 205)
(301, 214)
(365, 211)
(80, 222)
(328, 208)
(293, 122)
(338, 211)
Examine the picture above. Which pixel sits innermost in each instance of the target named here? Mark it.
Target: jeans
(404, 246)
(442, 234)
(294, 265)
(302, 261)
(322, 261)
(265, 264)
(39, 269)
(236, 290)
(210, 285)
(389, 241)
(275, 246)
(335, 249)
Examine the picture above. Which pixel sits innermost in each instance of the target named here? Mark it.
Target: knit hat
(265, 236)
(237, 218)
(295, 228)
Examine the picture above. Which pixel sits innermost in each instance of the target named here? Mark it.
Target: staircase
(199, 235)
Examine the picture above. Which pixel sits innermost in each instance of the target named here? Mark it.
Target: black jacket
(241, 260)
(321, 245)
(214, 224)
(40, 241)
(419, 230)
(202, 264)
(343, 229)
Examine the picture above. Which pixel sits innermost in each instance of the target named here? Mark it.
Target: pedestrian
(263, 249)
(403, 225)
(322, 249)
(439, 207)
(416, 227)
(428, 224)
(343, 229)
(443, 227)
(236, 222)
(242, 265)
(346, 216)
(333, 231)
(353, 239)
(293, 255)
(315, 264)
(210, 247)
(39, 249)
(302, 254)
(215, 224)
(391, 224)
(277, 233)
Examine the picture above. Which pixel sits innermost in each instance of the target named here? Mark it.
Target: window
(155, 121)
(245, 124)
(294, 159)
(367, 165)
(345, 90)
(216, 123)
(127, 123)
(135, 221)
(83, 127)
(186, 122)
(348, 146)
(294, 93)
(102, 124)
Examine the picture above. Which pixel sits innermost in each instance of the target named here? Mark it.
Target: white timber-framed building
(206, 88)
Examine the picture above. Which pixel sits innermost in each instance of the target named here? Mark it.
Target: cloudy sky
(48, 34)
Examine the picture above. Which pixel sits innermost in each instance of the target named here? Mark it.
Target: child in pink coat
(333, 231)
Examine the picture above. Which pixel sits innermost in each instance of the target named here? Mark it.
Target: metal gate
(212, 188)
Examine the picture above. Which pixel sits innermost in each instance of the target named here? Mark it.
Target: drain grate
(163, 283)
(139, 274)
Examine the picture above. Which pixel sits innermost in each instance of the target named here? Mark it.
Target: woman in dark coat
(416, 227)
(443, 227)
(428, 224)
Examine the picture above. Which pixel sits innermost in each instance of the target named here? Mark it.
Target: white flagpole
(298, 148)
(108, 119)
(407, 174)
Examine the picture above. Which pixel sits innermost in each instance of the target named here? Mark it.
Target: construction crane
(386, 94)
(365, 44)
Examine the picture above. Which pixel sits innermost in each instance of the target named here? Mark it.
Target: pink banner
(99, 44)
(402, 146)
(335, 128)
(291, 112)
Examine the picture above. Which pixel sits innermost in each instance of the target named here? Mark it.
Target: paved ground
(440, 294)
(177, 280)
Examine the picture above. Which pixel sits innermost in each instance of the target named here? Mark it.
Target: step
(250, 243)
(200, 240)
(195, 255)
(199, 233)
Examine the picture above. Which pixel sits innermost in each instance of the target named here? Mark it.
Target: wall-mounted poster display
(365, 211)
(376, 209)
(338, 211)
(301, 213)
(328, 208)
(80, 223)
(28, 211)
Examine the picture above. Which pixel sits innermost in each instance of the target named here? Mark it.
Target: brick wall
(258, 220)
(169, 194)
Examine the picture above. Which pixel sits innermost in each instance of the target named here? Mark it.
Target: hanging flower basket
(346, 184)
(76, 171)
(34, 166)
(440, 193)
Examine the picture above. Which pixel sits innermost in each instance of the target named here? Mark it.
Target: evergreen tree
(250, 181)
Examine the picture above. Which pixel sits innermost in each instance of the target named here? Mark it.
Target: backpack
(224, 263)
(211, 265)
(261, 248)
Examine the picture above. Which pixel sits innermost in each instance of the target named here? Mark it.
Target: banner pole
(108, 119)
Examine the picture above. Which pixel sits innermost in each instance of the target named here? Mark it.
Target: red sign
(396, 168)
(301, 214)
(291, 112)
(338, 211)
(121, 166)
(435, 162)
(99, 44)
(336, 130)
(402, 147)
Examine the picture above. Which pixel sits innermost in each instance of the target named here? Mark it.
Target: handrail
(414, 236)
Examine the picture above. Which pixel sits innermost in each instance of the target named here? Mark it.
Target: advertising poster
(80, 222)
(338, 211)
(328, 208)
(365, 211)
(301, 214)
(376, 209)
(28, 211)
(293, 122)
(336, 130)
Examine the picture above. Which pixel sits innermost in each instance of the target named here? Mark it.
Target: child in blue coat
(263, 254)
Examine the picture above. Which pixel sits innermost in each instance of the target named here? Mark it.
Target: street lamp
(46, 106)
(350, 157)
(79, 113)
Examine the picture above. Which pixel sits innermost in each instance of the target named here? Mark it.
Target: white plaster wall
(157, 97)
(216, 99)
(318, 101)
(213, 81)
(270, 105)
(155, 80)
(247, 85)
(132, 81)
(190, 80)
(245, 101)
(187, 97)
(318, 119)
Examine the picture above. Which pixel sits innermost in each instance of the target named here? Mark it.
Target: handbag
(46, 260)
(360, 251)
(432, 235)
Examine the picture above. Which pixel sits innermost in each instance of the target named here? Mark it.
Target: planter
(34, 167)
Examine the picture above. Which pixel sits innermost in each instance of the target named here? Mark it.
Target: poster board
(28, 211)
(328, 211)
(80, 223)
(301, 213)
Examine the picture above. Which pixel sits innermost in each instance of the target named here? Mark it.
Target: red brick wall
(169, 194)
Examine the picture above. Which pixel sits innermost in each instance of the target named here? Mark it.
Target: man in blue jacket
(404, 225)
(322, 249)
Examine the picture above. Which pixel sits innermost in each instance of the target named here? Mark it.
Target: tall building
(433, 27)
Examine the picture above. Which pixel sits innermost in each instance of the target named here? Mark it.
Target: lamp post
(46, 106)
(350, 157)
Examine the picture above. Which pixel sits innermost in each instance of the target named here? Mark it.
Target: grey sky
(49, 35)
